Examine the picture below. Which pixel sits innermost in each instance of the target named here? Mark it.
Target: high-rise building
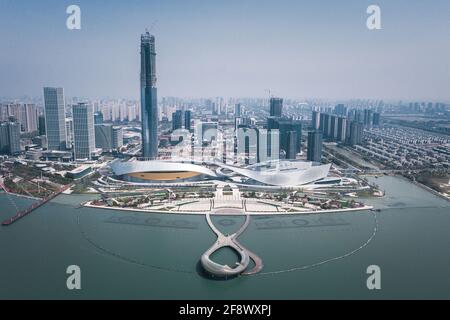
(41, 125)
(315, 120)
(356, 133)
(340, 110)
(10, 137)
(291, 145)
(325, 124)
(103, 136)
(376, 119)
(276, 107)
(98, 118)
(368, 117)
(237, 110)
(333, 129)
(117, 137)
(314, 152)
(69, 133)
(149, 101)
(55, 118)
(177, 120)
(341, 129)
(29, 118)
(284, 126)
(83, 131)
(187, 120)
(4, 138)
(108, 137)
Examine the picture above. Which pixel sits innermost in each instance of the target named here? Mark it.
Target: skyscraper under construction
(149, 101)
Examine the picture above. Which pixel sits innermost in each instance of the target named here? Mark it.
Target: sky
(230, 48)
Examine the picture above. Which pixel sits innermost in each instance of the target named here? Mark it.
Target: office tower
(4, 138)
(69, 133)
(117, 137)
(177, 120)
(29, 118)
(272, 123)
(314, 152)
(276, 107)
(340, 110)
(55, 118)
(10, 137)
(41, 125)
(356, 133)
(98, 118)
(376, 119)
(103, 136)
(149, 101)
(341, 129)
(315, 120)
(14, 137)
(187, 120)
(291, 145)
(237, 110)
(284, 126)
(83, 131)
(108, 137)
(296, 125)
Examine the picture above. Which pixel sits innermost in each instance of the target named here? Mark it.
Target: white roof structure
(285, 174)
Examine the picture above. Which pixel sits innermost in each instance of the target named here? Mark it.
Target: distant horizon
(390, 100)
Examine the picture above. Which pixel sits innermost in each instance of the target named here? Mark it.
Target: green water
(145, 256)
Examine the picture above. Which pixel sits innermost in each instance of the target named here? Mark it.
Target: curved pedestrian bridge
(219, 270)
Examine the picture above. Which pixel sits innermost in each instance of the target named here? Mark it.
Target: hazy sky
(229, 48)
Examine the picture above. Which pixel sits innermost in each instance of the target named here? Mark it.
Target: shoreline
(21, 195)
(425, 187)
(366, 207)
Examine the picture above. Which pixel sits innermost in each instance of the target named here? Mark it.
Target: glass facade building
(149, 101)
(55, 123)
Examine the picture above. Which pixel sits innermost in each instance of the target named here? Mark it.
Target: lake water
(156, 256)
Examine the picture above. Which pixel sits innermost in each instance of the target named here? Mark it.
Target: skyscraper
(83, 131)
(237, 110)
(10, 137)
(149, 101)
(41, 126)
(28, 120)
(340, 110)
(103, 136)
(117, 137)
(55, 118)
(315, 120)
(187, 120)
(341, 129)
(314, 152)
(276, 107)
(98, 118)
(177, 120)
(69, 133)
(356, 133)
(291, 145)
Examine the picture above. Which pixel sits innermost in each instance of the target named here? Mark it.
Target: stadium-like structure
(274, 173)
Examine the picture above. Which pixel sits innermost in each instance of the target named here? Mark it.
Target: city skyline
(277, 48)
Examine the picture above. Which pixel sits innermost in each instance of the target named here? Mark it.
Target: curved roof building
(285, 173)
